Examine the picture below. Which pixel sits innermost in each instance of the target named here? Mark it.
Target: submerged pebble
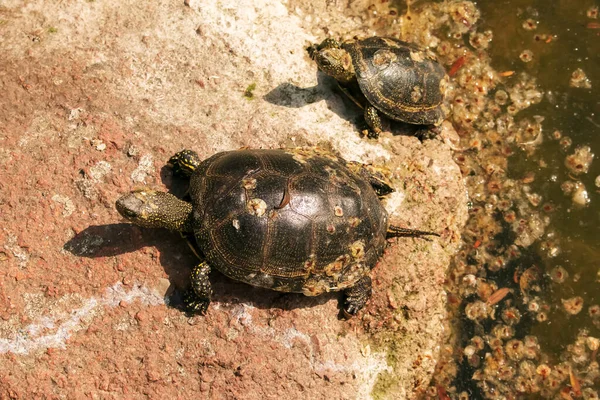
(579, 162)
(573, 305)
(495, 289)
(580, 80)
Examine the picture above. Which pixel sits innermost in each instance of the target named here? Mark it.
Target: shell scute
(297, 221)
(388, 71)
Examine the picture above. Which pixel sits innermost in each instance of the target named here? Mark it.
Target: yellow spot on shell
(249, 183)
(257, 207)
(354, 221)
(357, 250)
(315, 287)
(416, 94)
(334, 268)
(337, 210)
(383, 58)
(417, 56)
(309, 265)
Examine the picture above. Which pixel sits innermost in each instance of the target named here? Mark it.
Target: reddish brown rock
(95, 98)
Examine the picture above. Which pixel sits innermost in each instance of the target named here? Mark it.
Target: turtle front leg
(357, 296)
(197, 298)
(185, 162)
(374, 121)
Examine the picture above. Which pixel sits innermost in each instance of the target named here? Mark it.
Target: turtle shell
(289, 220)
(401, 80)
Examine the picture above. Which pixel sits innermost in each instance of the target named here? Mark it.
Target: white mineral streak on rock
(30, 338)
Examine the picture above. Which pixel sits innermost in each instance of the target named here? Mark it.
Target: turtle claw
(193, 304)
(349, 310)
(357, 297)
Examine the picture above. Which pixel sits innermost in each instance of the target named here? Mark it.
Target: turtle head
(152, 209)
(333, 60)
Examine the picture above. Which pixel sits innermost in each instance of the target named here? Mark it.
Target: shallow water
(572, 238)
(534, 188)
(575, 112)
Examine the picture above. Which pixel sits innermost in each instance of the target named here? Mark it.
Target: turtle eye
(127, 213)
(325, 62)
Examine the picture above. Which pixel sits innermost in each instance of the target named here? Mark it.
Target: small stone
(469, 351)
(476, 310)
(526, 56)
(580, 195)
(541, 317)
(543, 370)
(132, 151)
(573, 305)
(501, 97)
(579, 162)
(141, 316)
(580, 80)
(480, 40)
(530, 24)
(559, 274)
(163, 286)
(153, 376)
(593, 343)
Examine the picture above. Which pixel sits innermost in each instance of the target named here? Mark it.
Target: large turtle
(382, 74)
(298, 220)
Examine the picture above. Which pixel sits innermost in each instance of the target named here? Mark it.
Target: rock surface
(95, 97)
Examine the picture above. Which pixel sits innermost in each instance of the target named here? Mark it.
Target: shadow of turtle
(289, 95)
(177, 259)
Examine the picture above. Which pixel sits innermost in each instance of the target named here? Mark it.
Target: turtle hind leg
(376, 176)
(374, 121)
(185, 162)
(197, 298)
(378, 181)
(357, 296)
(396, 231)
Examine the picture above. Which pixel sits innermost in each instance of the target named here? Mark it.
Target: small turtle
(399, 79)
(297, 220)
